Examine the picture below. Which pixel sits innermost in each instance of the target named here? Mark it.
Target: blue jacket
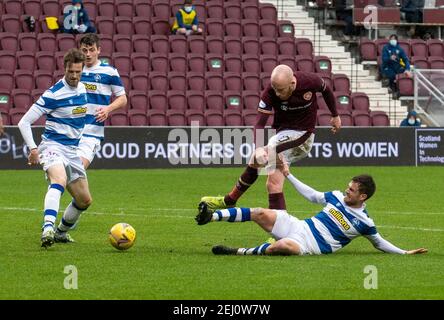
(395, 65)
(82, 16)
(405, 122)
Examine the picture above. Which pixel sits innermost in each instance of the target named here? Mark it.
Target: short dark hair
(73, 56)
(394, 36)
(366, 184)
(90, 39)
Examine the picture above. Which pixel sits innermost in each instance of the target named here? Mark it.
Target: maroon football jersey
(299, 111)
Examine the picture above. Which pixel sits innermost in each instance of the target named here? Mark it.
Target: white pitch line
(122, 214)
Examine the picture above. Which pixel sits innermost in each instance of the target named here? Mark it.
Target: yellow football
(122, 236)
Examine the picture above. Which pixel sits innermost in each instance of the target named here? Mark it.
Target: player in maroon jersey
(291, 96)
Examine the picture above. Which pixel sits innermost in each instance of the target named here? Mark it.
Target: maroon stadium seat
(321, 102)
(8, 60)
(58, 57)
(160, 44)
(287, 46)
(158, 100)
(197, 44)
(341, 82)
(24, 79)
(65, 41)
(405, 45)
(195, 117)
(285, 28)
(123, 43)
(232, 10)
(196, 62)
(177, 81)
(124, 8)
(233, 27)
(360, 101)
(8, 41)
(214, 118)
(436, 62)
(214, 81)
(265, 79)
(119, 118)
(346, 118)
(215, 10)
(251, 63)
(250, 10)
(106, 8)
(126, 81)
(215, 62)
(250, 28)
(161, 9)
(251, 81)
(142, 8)
(268, 63)
(270, 46)
(215, 27)
(157, 118)
(15, 115)
(43, 79)
(122, 62)
(141, 43)
(233, 63)
(90, 7)
(268, 28)
(215, 44)
(233, 100)
(124, 25)
(380, 43)
(268, 11)
(178, 44)
(368, 50)
(214, 100)
(195, 100)
(158, 81)
(304, 46)
(435, 47)
(328, 80)
(419, 48)
(137, 118)
(176, 118)
(159, 62)
(105, 25)
(233, 45)
(379, 118)
(50, 8)
(405, 85)
(32, 8)
(196, 81)
(6, 99)
(178, 62)
(106, 44)
(142, 25)
(232, 81)
(45, 61)
(305, 63)
(343, 101)
(420, 62)
(250, 117)
(11, 23)
(250, 99)
(138, 100)
(176, 100)
(5, 116)
(233, 118)
(13, 7)
(28, 42)
(250, 45)
(361, 118)
(322, 64)
(47, 42)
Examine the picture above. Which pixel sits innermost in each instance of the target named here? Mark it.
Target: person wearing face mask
(186, 21)
(76, 19)
(394, 61)
(411, 120)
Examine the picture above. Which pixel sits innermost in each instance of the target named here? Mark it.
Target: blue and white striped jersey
(101, 82)
(65, 108)
(337, 224)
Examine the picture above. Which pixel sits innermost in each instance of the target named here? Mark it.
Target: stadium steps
(342, 62)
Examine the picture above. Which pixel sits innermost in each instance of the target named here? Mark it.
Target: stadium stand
(215, 78)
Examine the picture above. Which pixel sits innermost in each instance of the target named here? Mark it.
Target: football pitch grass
(172, 257)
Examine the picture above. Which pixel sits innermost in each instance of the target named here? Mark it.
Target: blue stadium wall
(168, 147)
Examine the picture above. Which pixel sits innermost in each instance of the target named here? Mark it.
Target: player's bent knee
(284, 247)
(84, 202)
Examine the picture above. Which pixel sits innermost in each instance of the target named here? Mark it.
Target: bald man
(291, 97)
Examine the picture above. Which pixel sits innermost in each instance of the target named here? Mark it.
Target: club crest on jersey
(97, 77)
(355, 222)
(307, 96)
(284, 106)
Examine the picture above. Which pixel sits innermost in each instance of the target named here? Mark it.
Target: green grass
(172, 256)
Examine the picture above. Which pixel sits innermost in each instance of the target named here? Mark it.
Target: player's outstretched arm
(385, 246)
(306, 191)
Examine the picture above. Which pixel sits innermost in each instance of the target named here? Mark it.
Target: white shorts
(53, 153)
(294, 154)
(88, 147)
(290, 227)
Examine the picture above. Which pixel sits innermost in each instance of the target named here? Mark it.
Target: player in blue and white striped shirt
(342, 219)
(101, 81)
(64, 105)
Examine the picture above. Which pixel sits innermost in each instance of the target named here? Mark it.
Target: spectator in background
(412, 10)
(186, 21)
(76, 20)
(394, 61)
(344, 13)
(411, 120)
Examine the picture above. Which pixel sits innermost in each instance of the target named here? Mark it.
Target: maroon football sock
(276, 201)
(247, 178)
